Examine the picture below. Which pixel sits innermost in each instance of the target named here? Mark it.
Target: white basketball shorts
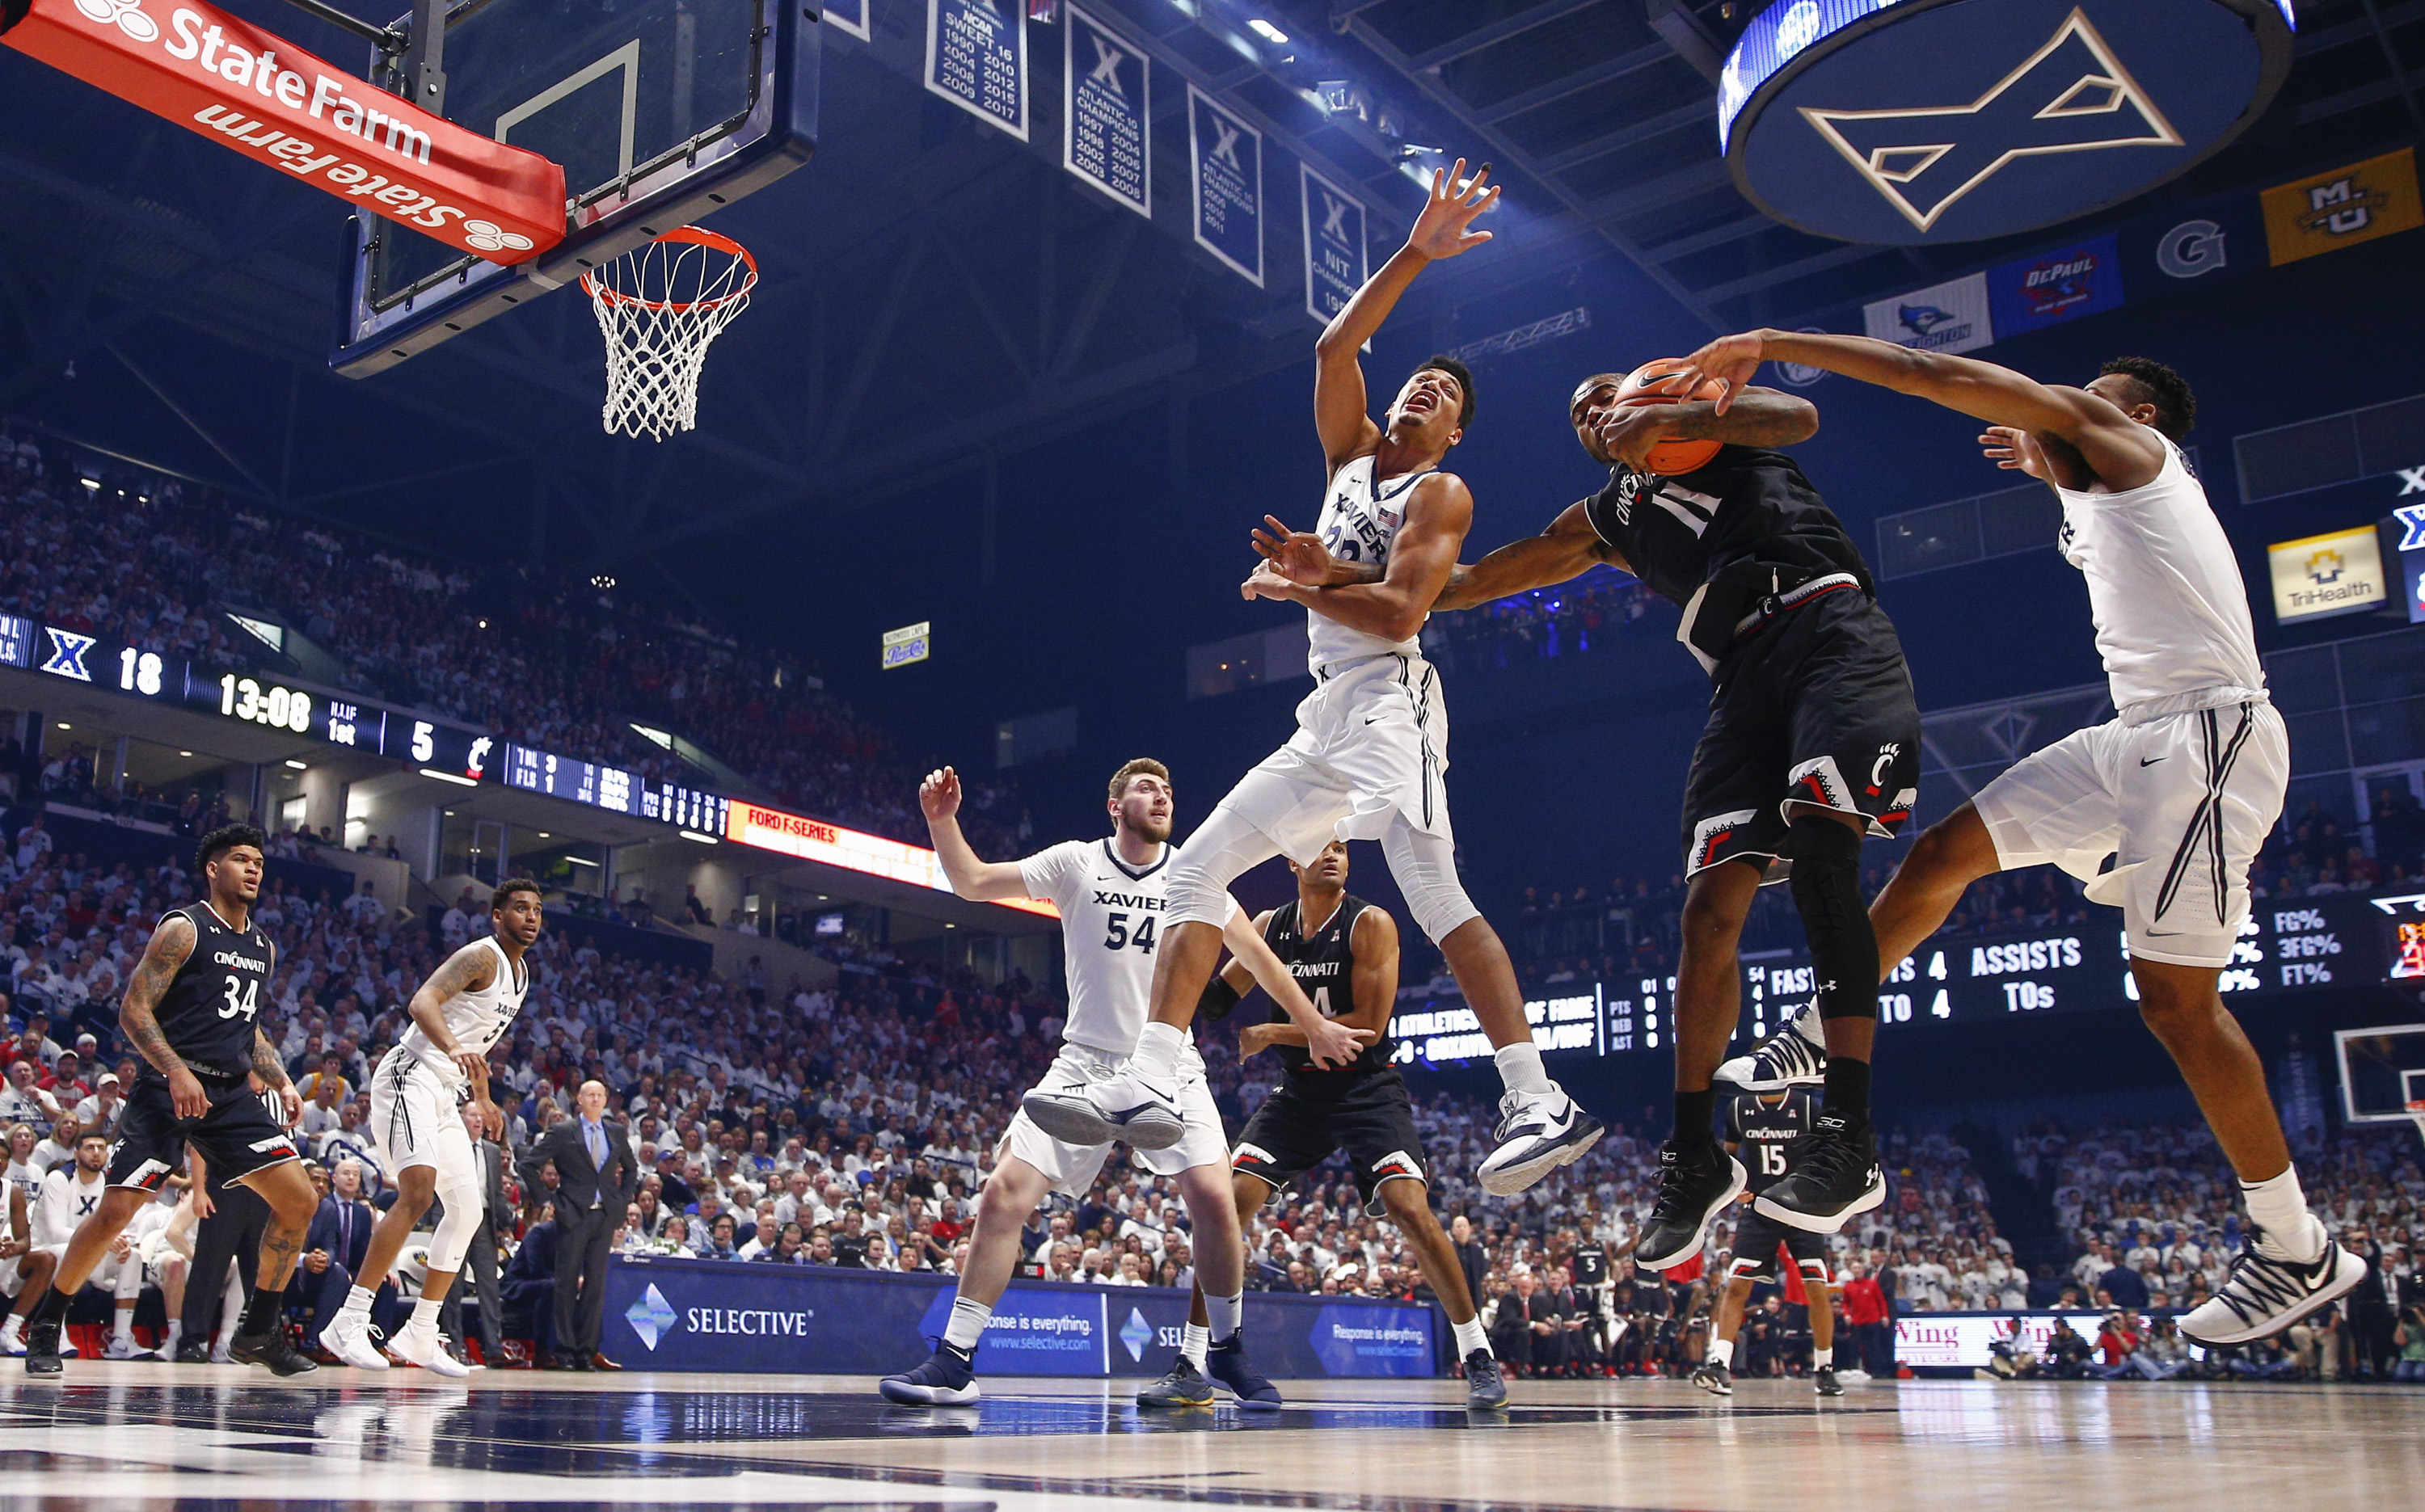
(417, 1120)
(1071, 1168)
(2181, 803)
(1370, 745)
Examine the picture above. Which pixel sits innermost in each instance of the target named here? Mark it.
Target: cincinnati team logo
(1886, 754)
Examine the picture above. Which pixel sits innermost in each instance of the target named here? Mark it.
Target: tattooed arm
(468, 970)
(137, 1013)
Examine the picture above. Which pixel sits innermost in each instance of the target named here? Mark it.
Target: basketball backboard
(660, 111)
(2382, 1071)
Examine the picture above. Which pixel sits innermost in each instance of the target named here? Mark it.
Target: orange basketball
(1669, 457)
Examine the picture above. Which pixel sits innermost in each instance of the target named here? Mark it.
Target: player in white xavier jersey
(2180, 789)
(1371, 749)
(1113, 899)
(417, 1096)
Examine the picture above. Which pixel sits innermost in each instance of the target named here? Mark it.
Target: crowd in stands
(567, 666)
(1546, 622)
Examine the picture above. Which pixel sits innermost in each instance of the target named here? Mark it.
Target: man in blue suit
(333, 1253)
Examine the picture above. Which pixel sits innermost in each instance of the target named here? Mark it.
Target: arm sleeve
(1050, 872)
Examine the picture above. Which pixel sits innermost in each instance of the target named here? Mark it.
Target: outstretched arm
(1568, 548)
(980, 882)
(2116, 449)
(1392, 604)
(1342, 411)
(139, 1009)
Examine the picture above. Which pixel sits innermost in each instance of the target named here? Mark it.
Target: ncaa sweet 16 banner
(221, 76)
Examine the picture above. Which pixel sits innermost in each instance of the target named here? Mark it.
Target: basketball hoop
(2417, 1116)
(660, 307)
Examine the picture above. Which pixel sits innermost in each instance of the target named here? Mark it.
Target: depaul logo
(651, 1317)
(2053, 285)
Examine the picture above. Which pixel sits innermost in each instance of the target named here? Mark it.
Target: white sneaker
(1794, 1055)
(122, 1347)
(2266, 1291)
(418, 1346)
(1537, 1133)
(12, 1343)
(1128, 1106)
(348, 1337)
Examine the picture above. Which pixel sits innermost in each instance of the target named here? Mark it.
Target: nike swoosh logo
(2150, 761)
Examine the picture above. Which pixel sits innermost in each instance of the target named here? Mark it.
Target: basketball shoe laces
(1673, 1202)
(1833, 1155)
(1785, 1053)
(2259, 1285)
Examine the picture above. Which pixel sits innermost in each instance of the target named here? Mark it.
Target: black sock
(261, 1314)
(53, 1308)
(1695, 1113)
(1848, 1090)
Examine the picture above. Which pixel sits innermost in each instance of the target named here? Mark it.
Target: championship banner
(976, 57)
(1106, 113)
(2343, 207)
(1227, 155)
(1950, 317)
(1334, 244)
(848, 16)
(221, 76)
(2056, 286)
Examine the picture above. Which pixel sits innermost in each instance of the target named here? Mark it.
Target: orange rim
(702, 237)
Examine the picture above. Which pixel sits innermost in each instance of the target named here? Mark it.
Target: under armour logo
(2072, 95)
(482, 236)
(1334, 218)
(1227, 147)
(128, 14)
(67, 654)
(1107, 66)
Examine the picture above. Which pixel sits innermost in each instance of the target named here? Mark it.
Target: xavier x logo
(1334, 218)
(2072, 95)
(1227, 147)
(1106, 71)
(67, 654)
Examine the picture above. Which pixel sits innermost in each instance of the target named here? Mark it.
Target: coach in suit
(596, 1180)
(334, 1249)
(480, 1259)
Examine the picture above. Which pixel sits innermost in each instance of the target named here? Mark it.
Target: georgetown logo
(2072, 95)
(651, 1317)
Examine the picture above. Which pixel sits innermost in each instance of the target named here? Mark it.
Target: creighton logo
(2071, 95)
(651, 1317)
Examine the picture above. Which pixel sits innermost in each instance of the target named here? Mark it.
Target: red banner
(228, 79)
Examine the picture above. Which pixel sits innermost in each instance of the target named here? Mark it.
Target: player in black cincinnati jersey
(1812, 743)
(1767, 1131)
(1343, 952)
(190, 1010)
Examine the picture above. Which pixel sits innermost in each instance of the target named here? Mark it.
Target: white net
(660, 307)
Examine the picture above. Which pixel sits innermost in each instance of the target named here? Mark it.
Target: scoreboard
(2288, 947)
(615, 789)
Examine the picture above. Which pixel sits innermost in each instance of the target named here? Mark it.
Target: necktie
(596, 1139)
(346, 1227)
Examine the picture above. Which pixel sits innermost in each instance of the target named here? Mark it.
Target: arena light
(296, 766)
(457, 778)
(1268, 32)
(694, 835)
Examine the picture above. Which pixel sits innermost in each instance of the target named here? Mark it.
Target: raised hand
(2015, 449)
(1267, 582)
(940, 794)
(1297, 555)
(1335, 1043)
(1444, 228)
(1731, 360)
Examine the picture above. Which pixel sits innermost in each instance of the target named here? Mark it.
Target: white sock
(1822, 1358)
(176, 1331)
(969, 1319)
(123, 1324)
(1225, 1312)
(1156, 1051)
(2280, 1208)
(1520, 1068)
(425, 1312)
(1192, 1344)
(358, 1300)
(1471, 1335)
(8, 1329)
(1722, 1352)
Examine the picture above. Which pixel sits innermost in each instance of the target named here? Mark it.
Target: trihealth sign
(2319, 575)
(223, 77)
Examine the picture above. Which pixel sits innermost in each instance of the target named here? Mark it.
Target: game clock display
(614, 788)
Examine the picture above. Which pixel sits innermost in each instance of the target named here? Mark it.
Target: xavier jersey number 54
(1112, 919)
(1361, 515)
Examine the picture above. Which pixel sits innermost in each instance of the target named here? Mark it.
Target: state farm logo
(128, 14)
(483, 236)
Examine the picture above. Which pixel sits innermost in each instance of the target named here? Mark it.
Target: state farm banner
(223, 77)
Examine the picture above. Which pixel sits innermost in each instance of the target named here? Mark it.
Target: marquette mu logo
(2072, 95)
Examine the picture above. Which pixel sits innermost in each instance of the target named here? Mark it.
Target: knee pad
(1827, 893)
(452, 1239)
(1424, 867)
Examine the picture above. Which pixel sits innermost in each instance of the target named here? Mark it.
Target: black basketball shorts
(1815, 706)
(237, 1136)
(1756, 1238)
(1313, 1113)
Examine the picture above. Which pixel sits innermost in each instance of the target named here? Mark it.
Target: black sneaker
(2264, 1294)
(1789, 1057)
(1226, 1363)
(1695, 1187)
(1185, 1386)
(1835, 1177)
(193, 1352)
(1714, 1378)
(42, 1347)
(273, 1349)
(1485, 1384)
(1824, 1381)
(948, 1378)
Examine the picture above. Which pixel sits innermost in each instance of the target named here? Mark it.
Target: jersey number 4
(243, 997)
(1119, 937)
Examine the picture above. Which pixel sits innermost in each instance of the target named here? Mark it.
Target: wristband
(1218, 999)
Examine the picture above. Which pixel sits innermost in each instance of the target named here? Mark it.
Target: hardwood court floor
(159, 1436)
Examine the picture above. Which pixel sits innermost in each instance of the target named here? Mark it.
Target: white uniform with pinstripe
(1369, 760)
(418, 1092)
(2183, 785)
